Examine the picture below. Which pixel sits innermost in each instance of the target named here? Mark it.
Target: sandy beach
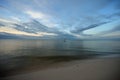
(88, 69)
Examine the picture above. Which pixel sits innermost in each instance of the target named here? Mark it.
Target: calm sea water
(21, 55)
(57, 47)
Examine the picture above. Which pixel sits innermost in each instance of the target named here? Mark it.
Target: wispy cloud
(79, 30)
(32, 28)
(42, 17)
(16, 18)
(17, 32)
(115, 28)
(1, 24)
(38, 15)
(7, 21)
(104, 29)
(114, 34)
(4, 8)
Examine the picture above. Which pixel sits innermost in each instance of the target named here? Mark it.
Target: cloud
(116, 28)
(78, 18)
(2, 24)
(38, 15)
(7, 21)
(15, 18)
(17, 32)
(112, 34)
(79, 30)
(33, 26)
(4, 8)
(104, 29)
(42, 17)
(114, 16)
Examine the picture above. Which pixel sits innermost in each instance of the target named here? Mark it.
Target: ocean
(58, 47)
(18, 56)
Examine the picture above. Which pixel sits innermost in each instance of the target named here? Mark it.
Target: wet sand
(87, 69)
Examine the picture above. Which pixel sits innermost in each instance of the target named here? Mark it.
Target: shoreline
(86, 69)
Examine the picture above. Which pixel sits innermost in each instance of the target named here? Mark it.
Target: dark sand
(106, 68)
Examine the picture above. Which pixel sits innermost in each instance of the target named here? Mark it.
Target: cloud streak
(17, 32)
(88, 27)
(42, 17)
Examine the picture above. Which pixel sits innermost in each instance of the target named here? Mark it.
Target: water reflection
(102, 46)
(23, 54)
(56, 47)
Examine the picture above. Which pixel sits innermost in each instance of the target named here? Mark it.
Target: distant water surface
(58, 47)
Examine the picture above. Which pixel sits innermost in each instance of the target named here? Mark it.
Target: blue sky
(61, 18)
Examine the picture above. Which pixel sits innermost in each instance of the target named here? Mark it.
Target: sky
(81, 19)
